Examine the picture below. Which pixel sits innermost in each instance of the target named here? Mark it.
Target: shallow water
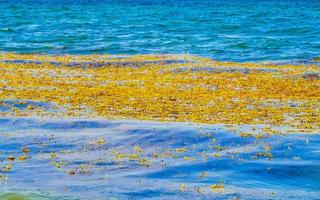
(292, 173)
(235, 30)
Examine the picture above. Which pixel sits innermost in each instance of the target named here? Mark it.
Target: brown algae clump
(162, 87)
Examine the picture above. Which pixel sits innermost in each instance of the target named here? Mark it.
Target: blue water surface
(212, 155)
(237, 30)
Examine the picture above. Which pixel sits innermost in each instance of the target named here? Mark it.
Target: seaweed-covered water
(234, 30)
(99, 159)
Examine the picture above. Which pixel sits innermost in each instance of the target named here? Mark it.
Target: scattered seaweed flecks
(96, 159)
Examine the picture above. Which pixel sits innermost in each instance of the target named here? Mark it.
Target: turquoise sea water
(236, 30)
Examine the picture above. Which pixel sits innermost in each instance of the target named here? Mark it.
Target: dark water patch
(6, 105)
(97, 64)
(75, 125)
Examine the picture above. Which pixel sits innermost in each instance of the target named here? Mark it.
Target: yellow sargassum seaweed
(164, 87)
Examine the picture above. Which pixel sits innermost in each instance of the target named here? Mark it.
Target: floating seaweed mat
(180, 88)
